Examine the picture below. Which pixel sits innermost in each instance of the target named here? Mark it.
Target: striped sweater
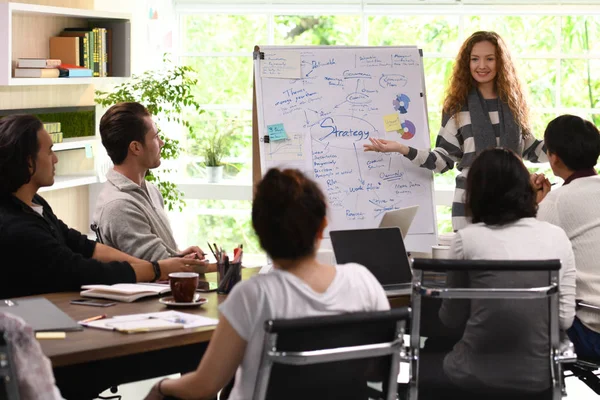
(455, 144)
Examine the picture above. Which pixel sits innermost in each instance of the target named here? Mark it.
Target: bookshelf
(25, 30)
(70, 181)
(74, 143)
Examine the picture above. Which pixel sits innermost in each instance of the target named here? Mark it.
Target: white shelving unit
(74, 143)
(35, 24)
(62, 81)
(69, 181)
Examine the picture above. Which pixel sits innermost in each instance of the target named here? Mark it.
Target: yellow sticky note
(50, 335)
(391, 122)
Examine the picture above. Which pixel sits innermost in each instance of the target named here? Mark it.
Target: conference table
(90, 361)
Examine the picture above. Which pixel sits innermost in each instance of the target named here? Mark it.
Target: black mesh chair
(548, 291)
(587, 370)
(332, 357)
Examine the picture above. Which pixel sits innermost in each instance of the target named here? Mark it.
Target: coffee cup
(183, 286)
(440, 252)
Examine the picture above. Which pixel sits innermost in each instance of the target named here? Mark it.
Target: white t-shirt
(576, 209)
(280, 295)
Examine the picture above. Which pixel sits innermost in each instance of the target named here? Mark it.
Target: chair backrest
(31, 371)
(331, 357)
(9, 390)
(490, 280)
(96, 229)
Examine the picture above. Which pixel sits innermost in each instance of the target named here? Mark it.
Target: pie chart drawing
(408, 129)
(401, 103)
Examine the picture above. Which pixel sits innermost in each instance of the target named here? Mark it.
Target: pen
(552, 184)
(178, 255)
(97, 317)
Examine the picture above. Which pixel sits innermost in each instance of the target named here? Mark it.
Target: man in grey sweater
(129, 213)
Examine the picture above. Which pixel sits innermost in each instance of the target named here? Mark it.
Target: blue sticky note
(276, 132)
(88, 150)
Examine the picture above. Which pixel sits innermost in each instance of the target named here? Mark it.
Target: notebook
(126, 292)
(401, 218)
(381, 251)
(40, 314)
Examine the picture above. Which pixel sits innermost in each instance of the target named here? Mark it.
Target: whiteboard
(317, 106)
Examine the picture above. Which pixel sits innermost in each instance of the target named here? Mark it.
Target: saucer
(169, 301)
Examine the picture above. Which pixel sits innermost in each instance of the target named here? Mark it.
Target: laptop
(381, 251)
(401, 218)
(40, 313)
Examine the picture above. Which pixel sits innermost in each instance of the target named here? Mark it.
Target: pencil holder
(228, 275)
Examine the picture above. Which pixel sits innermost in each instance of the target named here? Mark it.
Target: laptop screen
(381, 251)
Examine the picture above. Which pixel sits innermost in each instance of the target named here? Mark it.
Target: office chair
(25, 372)
(486, 290)
(96, 229)
(9, 389)
(586, 370)
(332, 357)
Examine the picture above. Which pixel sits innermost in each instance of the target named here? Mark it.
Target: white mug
(440, 252)
(445, 239)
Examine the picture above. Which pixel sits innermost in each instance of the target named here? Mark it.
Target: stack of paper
(137, 323)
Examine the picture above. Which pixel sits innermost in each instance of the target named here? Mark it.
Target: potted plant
(166, 93)
(215, 146)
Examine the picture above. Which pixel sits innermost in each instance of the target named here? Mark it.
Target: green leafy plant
(216, 145)
(166, 93)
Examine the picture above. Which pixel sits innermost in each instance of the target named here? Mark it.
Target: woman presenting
(484, 107)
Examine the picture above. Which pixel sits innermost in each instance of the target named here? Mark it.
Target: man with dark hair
(40, 253)
(573, 148)
(130, 213)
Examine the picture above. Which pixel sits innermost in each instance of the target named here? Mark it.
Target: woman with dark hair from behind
(504, 345)
(289, 217)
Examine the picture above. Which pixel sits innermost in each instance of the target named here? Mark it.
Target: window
(557, 49)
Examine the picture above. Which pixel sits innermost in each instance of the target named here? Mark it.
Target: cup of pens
(229, 273)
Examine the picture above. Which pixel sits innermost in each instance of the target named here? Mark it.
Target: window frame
(197, 189)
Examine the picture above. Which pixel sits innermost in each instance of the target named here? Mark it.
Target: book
(74, 71)
(89, 33)
(84, 48)
(37, 73)
(66, 49)
(52, 127)
(37, 63)
(126, 292)
(57, 137)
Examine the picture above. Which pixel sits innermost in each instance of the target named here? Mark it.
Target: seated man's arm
(106, 254)
(125, 227)
(39, 260)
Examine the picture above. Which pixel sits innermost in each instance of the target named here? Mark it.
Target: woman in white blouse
(289, 216)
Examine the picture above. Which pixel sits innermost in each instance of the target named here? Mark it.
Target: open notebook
(126, 292)
(150, 322)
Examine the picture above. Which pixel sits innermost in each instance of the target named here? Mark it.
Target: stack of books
(88, 48)
(54, 129)
(37, 68)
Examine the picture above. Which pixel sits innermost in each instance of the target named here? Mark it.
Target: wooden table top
(95, 344)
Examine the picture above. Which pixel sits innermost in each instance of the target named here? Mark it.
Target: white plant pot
(215, 174)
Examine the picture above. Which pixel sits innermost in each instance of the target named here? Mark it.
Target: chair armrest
(566, 352)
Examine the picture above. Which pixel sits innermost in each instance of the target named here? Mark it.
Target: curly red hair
(509, 87)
